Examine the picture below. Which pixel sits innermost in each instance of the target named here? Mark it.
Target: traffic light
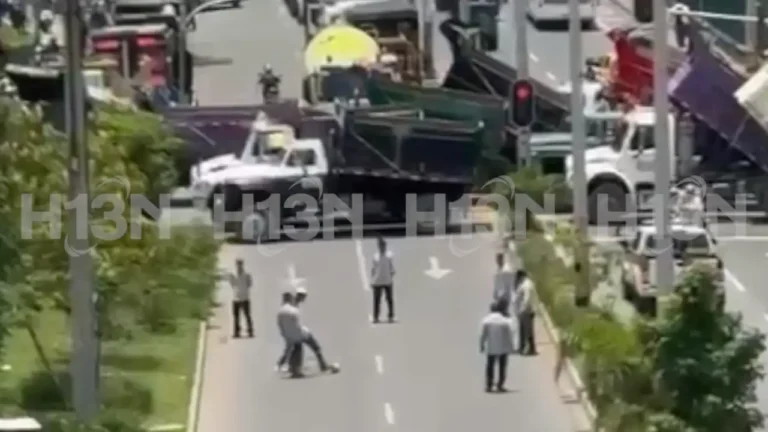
(643, 11)
(523, 105)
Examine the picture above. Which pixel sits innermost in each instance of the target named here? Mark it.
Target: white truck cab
(691, 244)
(624, 171)
(272, 161)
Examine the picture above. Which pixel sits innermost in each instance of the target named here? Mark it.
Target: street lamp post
(84, 367)
(522, 53)
(578, 129)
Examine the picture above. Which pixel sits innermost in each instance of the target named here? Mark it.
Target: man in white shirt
(503, 284)
(524, 302)
(241, 304)
(307, 338)
(690, 206)
(289, 324)
(497, 342)
(382, 277)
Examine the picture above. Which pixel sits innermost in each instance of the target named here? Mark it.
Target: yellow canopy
(339, 45)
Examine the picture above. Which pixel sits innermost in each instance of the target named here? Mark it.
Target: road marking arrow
(293, 278)
(434, 271)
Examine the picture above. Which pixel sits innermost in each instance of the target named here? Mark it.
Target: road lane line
(551, 76)
(736, 283)
(379, 364)
(533, 58)
(361, 265)
(389, 414)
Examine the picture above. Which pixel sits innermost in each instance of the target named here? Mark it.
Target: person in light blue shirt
(503, 284)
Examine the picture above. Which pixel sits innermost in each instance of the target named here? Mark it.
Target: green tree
(146, 283)
(706, 361)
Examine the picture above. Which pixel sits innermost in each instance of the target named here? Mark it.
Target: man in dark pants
(309, 340)
(497, 342)
(524, 300)
(289, 324)
(241, 304)
(382, 275)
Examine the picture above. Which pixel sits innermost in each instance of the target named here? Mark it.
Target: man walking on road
(241, 304)
(503, 284)
(382, 275)
(524, 300)
(289, 323)
(497, 342)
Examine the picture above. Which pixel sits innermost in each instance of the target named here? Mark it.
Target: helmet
(46, 15)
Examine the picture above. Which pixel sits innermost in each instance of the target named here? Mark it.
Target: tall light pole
(181, 48)
(665, 277)
(521, 52)
(84, 367)
(578, 148)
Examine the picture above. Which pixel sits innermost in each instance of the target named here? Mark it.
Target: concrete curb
(193, 410)
(573, 374)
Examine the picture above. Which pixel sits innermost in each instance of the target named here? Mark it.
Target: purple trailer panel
(704, 86)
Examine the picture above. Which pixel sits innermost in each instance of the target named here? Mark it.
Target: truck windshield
(643, 138)
(697, 245)
(618, 136)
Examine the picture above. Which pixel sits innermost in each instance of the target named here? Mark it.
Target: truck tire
(616, 195)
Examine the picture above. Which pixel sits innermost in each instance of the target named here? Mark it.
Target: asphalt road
(242, 41)
(422, 374)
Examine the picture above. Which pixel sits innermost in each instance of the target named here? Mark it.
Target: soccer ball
(334, 368)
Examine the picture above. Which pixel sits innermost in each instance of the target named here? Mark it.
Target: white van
(550, 11)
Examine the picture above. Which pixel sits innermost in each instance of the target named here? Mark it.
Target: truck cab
(623, 172)
(272, 163)
(691, 244)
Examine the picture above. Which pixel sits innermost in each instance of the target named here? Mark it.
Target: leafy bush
(694, 370)
(40, 392)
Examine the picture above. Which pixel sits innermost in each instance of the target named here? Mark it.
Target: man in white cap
(308, 339)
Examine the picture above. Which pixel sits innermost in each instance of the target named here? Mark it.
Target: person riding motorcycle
(47, 42)
(270, 82)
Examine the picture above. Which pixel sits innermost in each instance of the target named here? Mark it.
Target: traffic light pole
(665, 276)
(578, 131)
(524, 155)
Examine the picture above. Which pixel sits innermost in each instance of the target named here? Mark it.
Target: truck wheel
(614, 193)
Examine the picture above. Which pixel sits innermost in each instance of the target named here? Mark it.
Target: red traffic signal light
(523, 103)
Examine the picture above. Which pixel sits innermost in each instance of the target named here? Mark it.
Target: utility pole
(84, 368)
(750, 29)
(181, 48)
(521, 49)
(578, 131)
(422, 13)
(665, 277)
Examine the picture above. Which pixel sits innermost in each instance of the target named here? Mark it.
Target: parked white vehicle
(550, 11)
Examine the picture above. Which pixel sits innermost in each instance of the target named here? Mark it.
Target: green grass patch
(150, 375)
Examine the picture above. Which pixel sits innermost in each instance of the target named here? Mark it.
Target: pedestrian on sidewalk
(241, 283)
(308, 339)
(382, 279)
(524, 299)
(503, 284)
(497, 337)
(289, 324)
